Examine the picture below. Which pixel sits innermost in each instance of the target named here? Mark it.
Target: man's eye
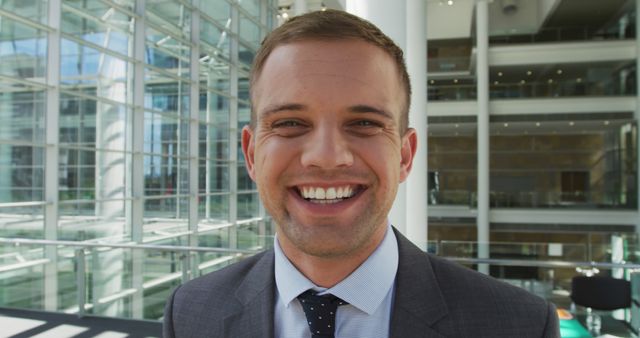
(367, 123)
(287, 124)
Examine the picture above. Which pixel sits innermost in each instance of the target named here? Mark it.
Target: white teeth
(332, 193)
(310, 193)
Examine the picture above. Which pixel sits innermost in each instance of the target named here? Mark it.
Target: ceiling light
(499, 73)
(571, 123)
(537, 124)
(285, 15)
(323, 7)
(550, 81)
(455, 80)
(506, 125)
(606, 123)
(522, 81)
(579, 80)
(496, 82)
(456, 125)
(529, 73)
(559, 71)
(450, 2)
(432, 81)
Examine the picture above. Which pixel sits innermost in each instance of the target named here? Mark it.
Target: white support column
(403, 21)
(482, 68)
(233, 130)
(137, 160)
(51, 153)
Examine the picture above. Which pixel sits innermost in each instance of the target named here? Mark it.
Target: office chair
(600, 293)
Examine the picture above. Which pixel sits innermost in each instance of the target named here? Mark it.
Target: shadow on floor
(16, 323)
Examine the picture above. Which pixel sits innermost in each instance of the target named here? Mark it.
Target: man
(328, 145)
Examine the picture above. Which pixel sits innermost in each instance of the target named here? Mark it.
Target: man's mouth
(328, 195)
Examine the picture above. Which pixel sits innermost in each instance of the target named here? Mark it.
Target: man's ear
(248, 147)
(407, 152)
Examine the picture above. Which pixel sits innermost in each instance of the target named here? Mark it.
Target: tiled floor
(16, 323)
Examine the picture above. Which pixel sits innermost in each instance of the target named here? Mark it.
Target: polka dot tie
(320, 312)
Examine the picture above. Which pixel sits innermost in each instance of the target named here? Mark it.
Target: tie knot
(320, 312)
(311, 296)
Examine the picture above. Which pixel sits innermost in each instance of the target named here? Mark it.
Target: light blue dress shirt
(369, 290)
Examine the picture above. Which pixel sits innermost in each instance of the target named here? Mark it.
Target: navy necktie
(320, 312)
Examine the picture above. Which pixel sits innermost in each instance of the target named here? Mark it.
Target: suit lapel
(256, 294)
(418, 304)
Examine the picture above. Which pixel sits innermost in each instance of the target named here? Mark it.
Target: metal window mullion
(193, 128)
(262, 224)
(51, 156)
(137, 160)
(233, 130)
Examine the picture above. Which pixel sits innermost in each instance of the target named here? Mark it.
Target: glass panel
(81, 221)
(165, 217)
(584, 154)
(246, 55)
(99, 9)
(214, 71)
(22, 114)
(165, 175)
(90, 123)
(24, 173)
(166, 94)
(249, 236)
(215, 41)
(251, 6)
(166, 52)
(171, 16)
(248, 206)
(23, 51)
(213, 210)
(214, 142)
(35, 10)
(98, 74)
(219, 11)
(214, 108)
(244, 180)
(21, 222)
(165, 135)
(249, 32)
(110, 30)
(213, 176)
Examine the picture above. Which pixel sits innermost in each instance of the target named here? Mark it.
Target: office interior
(123, 176)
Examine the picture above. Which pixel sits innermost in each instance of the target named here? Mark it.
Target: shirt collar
(365, 288)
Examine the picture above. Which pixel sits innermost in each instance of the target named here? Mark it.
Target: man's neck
(329, 271)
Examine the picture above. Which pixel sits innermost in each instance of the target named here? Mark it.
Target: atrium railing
(135, 280)
(538, 199)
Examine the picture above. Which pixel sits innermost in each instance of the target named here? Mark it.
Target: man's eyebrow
(363, 108)
(275, 108)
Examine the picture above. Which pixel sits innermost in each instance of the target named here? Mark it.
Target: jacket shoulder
(202, 304)
(483, 303)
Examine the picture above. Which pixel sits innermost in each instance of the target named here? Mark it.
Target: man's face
(326, 152)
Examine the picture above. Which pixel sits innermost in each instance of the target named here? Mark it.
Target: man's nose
(327, 148)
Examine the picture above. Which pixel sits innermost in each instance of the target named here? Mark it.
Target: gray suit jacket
(434, 298)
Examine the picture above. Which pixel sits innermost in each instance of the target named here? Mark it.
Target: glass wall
(122, 124)
(557, 138)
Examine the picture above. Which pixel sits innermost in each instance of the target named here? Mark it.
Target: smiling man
(328, 145)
